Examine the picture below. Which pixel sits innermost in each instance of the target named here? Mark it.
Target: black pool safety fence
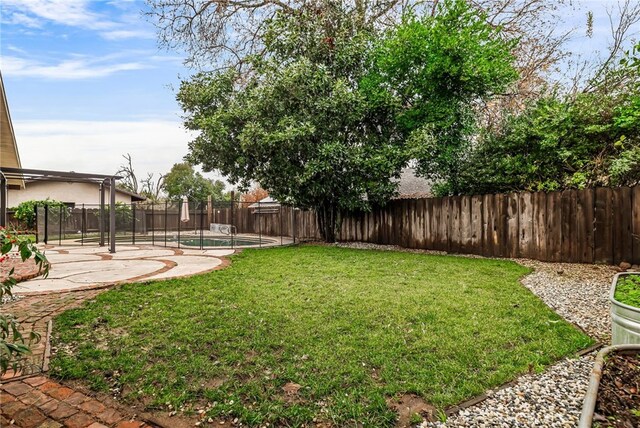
(189, 225)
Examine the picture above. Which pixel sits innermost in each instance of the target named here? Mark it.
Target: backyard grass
(286, 335)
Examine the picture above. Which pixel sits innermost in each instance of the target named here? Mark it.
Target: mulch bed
(618, 402)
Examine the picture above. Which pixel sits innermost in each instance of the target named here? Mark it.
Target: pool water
(221, 242)
(193, 241)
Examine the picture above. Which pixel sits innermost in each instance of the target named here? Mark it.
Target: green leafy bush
(592, 140)
(13, 345)
(586, 140)
(25, 212)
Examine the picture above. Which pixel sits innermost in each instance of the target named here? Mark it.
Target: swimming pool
(193, 241)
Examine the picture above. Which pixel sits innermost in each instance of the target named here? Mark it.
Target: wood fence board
(445, 218)
(407, 227)
(466, 233)
(585, 212)
(454, 224)
(603, 238)
(570, 248)
(499, 215)
(554, 226)
(540, 224)
(422, 219)
(525, 234)
(476, 224)
(622, 219)
(512, 225)
(487, 226)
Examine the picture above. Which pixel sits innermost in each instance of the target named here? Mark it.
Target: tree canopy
(323, 120)
(301, 125)
(439, 67)
(183, 180)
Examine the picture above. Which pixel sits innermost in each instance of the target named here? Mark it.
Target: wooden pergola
(104, 181)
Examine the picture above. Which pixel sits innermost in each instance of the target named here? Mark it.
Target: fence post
(257, 216)
(133, 223)
(233, 202)
(46, 223)
(83, 225)
(153, 224)
(293, 223)
(60, 226)
(280, 218)
(35, 219)
(102, 219)
(201, 223)
(165, 223)
(179, 221)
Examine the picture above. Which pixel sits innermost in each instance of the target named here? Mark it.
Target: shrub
(13, 345)
(25, 212)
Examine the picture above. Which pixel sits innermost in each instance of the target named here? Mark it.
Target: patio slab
(186, 265)
(74, 268)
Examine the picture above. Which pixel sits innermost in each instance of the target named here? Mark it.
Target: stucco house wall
(70, 193)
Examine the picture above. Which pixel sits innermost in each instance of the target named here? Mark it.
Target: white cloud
(74, 13)
(127, 34)
(78, 67)
(98, 146)
(77, 13)
(18, 18)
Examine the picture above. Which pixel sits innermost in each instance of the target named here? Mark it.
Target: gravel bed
(577, 292)
(550, 399)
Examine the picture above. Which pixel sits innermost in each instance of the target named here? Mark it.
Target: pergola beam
(54, 175)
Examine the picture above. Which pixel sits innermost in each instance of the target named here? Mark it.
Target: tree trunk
(328, 221)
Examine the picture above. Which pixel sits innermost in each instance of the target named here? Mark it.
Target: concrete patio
(78, 268)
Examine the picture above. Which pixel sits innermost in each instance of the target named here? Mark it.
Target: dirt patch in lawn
(618, 402)
(410, 405)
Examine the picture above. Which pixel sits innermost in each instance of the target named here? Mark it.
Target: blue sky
(87, 83)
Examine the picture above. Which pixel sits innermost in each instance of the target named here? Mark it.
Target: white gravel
(550, 399)
(579, 293)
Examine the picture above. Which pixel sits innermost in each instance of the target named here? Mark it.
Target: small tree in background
(149, 187)
(254, 195)
(184, 180)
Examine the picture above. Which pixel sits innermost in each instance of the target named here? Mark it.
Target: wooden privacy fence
(600, 225)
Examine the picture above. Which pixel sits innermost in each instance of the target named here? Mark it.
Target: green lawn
(353, 328)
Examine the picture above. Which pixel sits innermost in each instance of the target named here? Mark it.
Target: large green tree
(183, 180)
(301, 124)
(439, 68)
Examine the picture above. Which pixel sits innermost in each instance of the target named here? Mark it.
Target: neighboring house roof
(410, 186)
(267, 202)
(135, 197)
(9, 156)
